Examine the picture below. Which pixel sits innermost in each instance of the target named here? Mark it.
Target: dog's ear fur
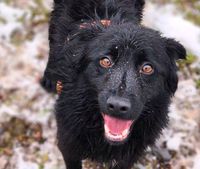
(139, 4)
(174, 49)
(58, 1)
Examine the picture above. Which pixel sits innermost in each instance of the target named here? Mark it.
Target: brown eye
(105, 62)
(147, 69)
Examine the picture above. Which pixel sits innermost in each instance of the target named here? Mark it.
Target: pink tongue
(116, 126)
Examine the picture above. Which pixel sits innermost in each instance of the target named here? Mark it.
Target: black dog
(115, 79)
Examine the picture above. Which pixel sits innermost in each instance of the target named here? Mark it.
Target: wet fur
(74, 55)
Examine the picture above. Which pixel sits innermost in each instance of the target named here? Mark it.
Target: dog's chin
(116, 130)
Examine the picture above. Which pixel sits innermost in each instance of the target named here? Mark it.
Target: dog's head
(133, 70)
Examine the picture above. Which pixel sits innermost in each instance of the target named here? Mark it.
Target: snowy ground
(27, 126)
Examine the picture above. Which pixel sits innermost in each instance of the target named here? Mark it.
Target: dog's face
(131, 68)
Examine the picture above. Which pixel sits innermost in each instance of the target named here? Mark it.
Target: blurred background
(27, 126)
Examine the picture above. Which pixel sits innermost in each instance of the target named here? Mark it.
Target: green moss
(41, 166)
(17, 38)
(197, 70)
(193, 17)
(2, 20)
(190, 58)
(198, 84)
(8, 1)
(188, 61)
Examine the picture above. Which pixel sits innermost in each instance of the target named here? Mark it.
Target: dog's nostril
(124, 109)
(110, 106)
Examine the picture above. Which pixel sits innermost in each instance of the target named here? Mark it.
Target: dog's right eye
(105, 62)
(147, 69)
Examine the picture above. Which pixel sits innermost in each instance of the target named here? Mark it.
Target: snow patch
(197, 162)
(21, 163)
(174, 142)
(172, 24)
(11, 16)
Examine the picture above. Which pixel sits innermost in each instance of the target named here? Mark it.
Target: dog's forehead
(134, 35)
(129, 39)
(130, 36)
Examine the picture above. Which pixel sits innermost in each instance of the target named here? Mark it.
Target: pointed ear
(139, 4)
(174, 49)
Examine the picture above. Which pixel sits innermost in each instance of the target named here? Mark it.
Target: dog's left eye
(105, 62)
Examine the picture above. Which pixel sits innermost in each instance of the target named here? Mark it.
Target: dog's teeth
(114, 137)
(106, 128)
(125, 132)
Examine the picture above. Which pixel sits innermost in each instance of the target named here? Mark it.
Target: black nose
(118, 104)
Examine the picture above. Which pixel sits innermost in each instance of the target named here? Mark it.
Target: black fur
(74, 60)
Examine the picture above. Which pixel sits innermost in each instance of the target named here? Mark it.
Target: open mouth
(116, 130)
